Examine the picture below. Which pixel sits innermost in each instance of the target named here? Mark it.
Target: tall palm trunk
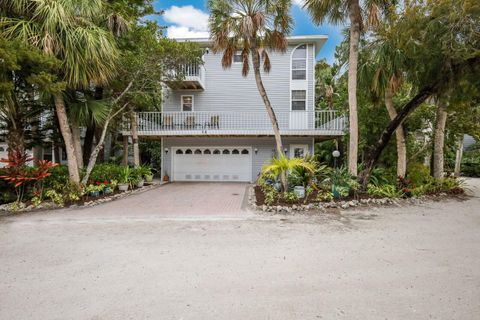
(77, 143)
(136, 151)
(354, 14)
(459, 156)
(15, 138)
(67, 138)
(270, 111)
(439, 139)
(399, 135)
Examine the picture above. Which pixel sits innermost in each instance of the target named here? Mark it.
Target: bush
(419, 174)
(271, 194)
(105, 171)
(324, 196)
(58, 179)
(385, 191)
(290, 197)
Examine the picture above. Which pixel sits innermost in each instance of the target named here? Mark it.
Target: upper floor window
(187, 103)
(299, 100)
(237, 56)
(299, 63)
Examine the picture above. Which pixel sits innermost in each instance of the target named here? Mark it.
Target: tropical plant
(324, 196)
(290, 197)
(278, 168)
(19, 174)
(254, 27)
(337, 12)
(386, 191)
(71, 32)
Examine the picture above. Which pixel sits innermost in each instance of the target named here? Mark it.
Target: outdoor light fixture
(166, 150)
(256, 150)
(335, 155)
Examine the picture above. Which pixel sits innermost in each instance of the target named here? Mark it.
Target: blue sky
(188, 18)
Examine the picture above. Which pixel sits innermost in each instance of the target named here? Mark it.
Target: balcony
(317, 123)
(193, 78)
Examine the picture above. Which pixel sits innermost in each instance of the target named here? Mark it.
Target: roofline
(318, 39)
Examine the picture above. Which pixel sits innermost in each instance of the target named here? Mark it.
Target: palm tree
(337, 12)
(382, 71)
(69, 31)
(255, 27)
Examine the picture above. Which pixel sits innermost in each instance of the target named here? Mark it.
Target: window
(188, 151)
(299, 100)
(179, 151)
(244, 151)
(298, 151)
(187, 103)
(2, 149)
(226, 151)
(198, 151)
(207, 151)
(235, 151)
(237, 57)
(299, 63)
(216, 151)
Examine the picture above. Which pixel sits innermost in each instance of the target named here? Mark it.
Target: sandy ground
(383, 263)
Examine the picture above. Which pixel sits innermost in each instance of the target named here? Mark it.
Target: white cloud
(175, 32)
(187, 22)
(299, 2)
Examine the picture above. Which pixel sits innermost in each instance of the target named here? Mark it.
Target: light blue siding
(228, 90)
(265, 146)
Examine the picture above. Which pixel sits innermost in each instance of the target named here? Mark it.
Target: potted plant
(137, 177)
(94, 189)
(147, 173)
(107, 189)
(124, 178)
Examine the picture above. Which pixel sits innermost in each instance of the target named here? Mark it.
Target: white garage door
(212, 164)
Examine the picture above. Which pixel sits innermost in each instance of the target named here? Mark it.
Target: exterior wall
(228, 90)
(265, 146)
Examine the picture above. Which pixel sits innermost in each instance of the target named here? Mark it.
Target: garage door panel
(213, 164)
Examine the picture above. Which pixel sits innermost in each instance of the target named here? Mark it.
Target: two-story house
(214, 126)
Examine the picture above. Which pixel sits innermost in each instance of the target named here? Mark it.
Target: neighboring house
(214, 125)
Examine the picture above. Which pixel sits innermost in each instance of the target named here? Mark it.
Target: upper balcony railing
(317, 123)
(193, 78)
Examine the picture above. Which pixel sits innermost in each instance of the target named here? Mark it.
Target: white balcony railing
(194, 77)
(243, 122)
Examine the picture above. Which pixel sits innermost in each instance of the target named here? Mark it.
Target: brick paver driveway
(182, 199)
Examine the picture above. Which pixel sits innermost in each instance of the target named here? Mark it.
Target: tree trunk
(15, 139)
(399, 134)
(93, 157)
(266, 101)
(136, 151)
(77, 142)
(458, 157)
(355, 21)
(67, 138)
(125, 151)
(386, 135)
(88, 142)
(101, 154)
(439, 141)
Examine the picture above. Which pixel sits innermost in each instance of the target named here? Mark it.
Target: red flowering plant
(405, 185)
(19, 174)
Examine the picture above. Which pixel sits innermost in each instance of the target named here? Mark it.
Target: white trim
(299, 84)
(294, 146)
(181, 102)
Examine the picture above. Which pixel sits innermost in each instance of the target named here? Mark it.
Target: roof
(319, 40)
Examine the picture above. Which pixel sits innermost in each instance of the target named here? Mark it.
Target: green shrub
(271, 194)
(290, 197)
(419, 174)
(384, 191)
(55, 197)
(324, 196)
(58, 179)
(105, 171)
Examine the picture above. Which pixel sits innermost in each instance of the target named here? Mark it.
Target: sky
(188, 19)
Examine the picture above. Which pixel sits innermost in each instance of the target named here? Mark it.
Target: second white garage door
(212, 164)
